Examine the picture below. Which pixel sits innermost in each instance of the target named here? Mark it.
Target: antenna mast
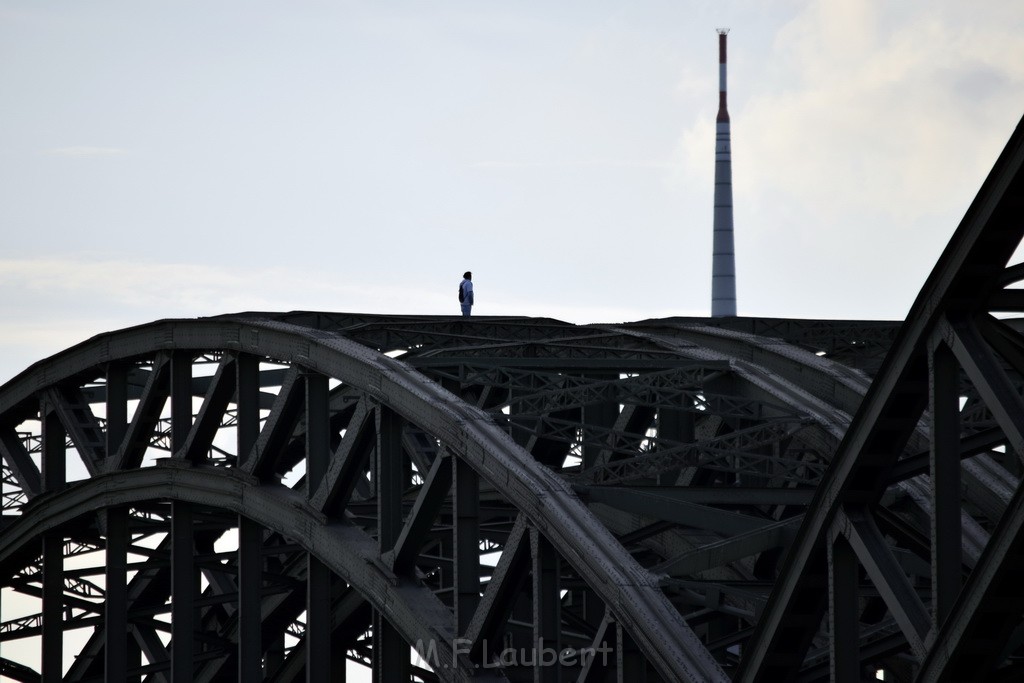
(723, 265)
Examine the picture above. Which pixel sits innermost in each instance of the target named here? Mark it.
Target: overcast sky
(164, 159)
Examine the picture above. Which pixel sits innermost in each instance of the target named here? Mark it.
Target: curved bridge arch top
(631, 593)
(626, 481)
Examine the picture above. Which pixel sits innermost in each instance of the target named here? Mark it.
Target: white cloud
(83, 297)
(878, 115)
(179, 289)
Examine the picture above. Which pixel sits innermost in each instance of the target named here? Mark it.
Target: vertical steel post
(274, 656)
(184, 579)
(318, 622)
(54, 440)
(318, 585)
(250, 534)
(247, 404)
(183, 593)
(547, 610)
(250, 584)
(390, 485)
(946, 532)
(117, 406)
(391, 659)
(466, 543)
(842, 614)
(602, 414)
(519, 432)
(318, 437)
(674, 424)
(181, 399)
(53, 608)
(54, 465)
(115, 605)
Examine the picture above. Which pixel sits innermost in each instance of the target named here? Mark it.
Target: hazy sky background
(164, 159)
(179, 159)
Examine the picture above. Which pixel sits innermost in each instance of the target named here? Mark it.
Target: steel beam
(17, 458)
(433, 494)
(318, 622)
(347, 464)
(391, 655)
(466, 542)
(547, 613)
(944, 467)
(116, 405)
(116, 626)
(52, 650)
(720, 553)
(184, 590)
(844, 635)
(389, 478)
(665, 507)
(79, 424)
(318, 425)
(54, 459)
(973, 639)
(247, 402)
(507, 579)
(211, 413)
(861, 533)
(131, 450)
(180, 398)
(279, 427)
(250, 612)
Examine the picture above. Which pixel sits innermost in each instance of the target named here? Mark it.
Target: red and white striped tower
(723, 265)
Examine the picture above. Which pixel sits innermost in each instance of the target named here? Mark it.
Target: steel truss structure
(267, 496)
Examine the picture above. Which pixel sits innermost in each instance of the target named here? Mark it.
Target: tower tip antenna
(723, 267)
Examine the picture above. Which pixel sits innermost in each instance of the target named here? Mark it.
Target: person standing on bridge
(466, 293)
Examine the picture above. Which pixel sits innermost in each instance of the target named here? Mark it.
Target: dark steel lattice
(265, 496)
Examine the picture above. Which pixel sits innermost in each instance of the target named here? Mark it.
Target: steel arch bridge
(266, 496)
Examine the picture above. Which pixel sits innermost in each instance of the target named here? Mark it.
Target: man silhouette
(466, 293)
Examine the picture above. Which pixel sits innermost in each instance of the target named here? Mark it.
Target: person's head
(468, 275)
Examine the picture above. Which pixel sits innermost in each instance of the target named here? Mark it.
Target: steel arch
(543, 498)
(744, 393)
